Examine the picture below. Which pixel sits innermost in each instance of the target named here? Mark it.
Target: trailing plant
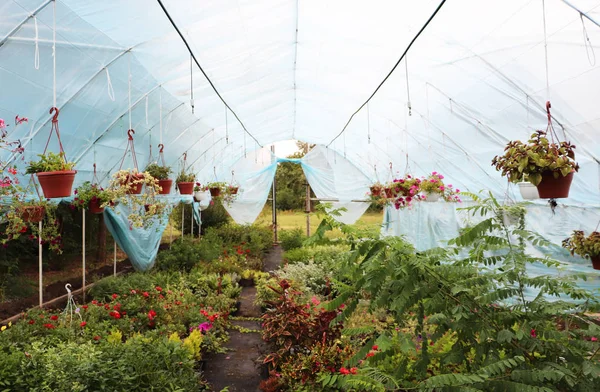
(157, 171)
(434, 183)
(584, 246)
(88, 192)
(49, 162)
(528, 161)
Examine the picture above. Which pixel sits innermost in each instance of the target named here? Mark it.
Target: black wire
(392, 71)
(202, 70)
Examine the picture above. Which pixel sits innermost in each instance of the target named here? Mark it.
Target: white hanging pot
(528, 191)
(200, 196)
(432, 197)
(510, 219)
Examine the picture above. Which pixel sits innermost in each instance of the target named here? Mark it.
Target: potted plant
(199, 193)
(91, 196)
(185, 183)
(376, 189)
(433, 187)
(216, 188)
(548, 166)
(232, 189)
(512, 215)
(23, 216)
(120, 192)
(54, 173)
(161, 173)
(585, 246)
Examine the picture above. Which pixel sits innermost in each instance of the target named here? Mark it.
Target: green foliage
(87, 192)
(49, 162)
(185, 177)
(527, 161)
(255, 238)
(185, 254)
(291, 239)
(584, 246)
(157, 171)
(291, 188)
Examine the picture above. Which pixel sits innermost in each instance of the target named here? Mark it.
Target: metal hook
(130, 134)
(56, 111)
(161, 147)
(185, 156)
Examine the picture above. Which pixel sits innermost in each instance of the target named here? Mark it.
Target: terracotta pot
(166, 186)
(186, 188)
(57, 183)
(389, 193)
(147, 207)
(596, 262)
(375, 191)
(32, 214)
(94, 207)
(134, 189)
(215, 192)
(554, 188)
(528, 191)
(234, 190)
(432, 197)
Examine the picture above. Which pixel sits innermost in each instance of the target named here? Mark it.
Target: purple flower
(205, 326)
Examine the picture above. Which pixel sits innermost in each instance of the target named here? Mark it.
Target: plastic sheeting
(141, 244)
(330, 176)
(297, 70)
(428, 225)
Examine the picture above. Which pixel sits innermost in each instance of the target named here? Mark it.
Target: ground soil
(240, 368)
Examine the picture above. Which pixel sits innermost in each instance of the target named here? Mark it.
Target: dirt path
(240, 368)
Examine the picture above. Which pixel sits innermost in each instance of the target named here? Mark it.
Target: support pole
(83, 253)
(274, 202)
(182, 219)
(307, 198)
(41, 287)
(170, 232)
(115, 260)
(192, 220)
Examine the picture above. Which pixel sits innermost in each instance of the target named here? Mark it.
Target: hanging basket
(94, 207)
(32, 214)
(596, 262)
(432, 197)
(57, 183)
(165, 186)
(234, 190)
(375, 191)
(389, 193)
(215, 192)
(200, 196)
(134, 189)
(186, 188)
(528, 191)
(554, 188)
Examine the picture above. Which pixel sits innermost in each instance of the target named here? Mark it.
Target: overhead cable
(202, 70)
(393, 69)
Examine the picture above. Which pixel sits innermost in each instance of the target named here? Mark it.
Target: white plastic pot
(200, 196)
(528, 191)
(432, 197)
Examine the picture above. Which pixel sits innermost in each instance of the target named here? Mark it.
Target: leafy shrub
(186, 253)
(291, 239)
(214, 216)
(321, 254)
(310, 278)
(254, 238)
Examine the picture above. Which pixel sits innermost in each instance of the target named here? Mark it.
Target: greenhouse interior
(286, 195)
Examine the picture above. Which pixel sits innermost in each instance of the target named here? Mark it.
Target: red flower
(533, 333)
(145, 294)
(151, 314)
(353, 370)
(94, 302)
(96, 338)
(343, 370)
(50, 326)
(370, 355)
(114, 314)
(31, 322)
(83, 324)
(54, 317)
(133, 292)
(85, 307)
(115, 296)
(375, 348)
(158, 288)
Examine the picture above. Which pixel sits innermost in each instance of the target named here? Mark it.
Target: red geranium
(158, 288)
(31, 322)
(115, 296)
(145, 294)
(151, 314)
(83, 324)
(343, 370)
(54, 317)
(115, 314)
(49, 326)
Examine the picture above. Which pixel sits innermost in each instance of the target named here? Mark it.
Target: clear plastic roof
(292, 69)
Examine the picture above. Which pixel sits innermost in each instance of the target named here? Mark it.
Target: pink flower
(433, 173)
(2, 124)
(442, 188)
(315, 301)
(594, 339)
(457, 190)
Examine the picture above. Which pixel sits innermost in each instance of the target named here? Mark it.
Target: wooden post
(41, 280)
(274, 201)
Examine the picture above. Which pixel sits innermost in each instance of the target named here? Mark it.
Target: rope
(202, 69)
(407, 87)
(546, 49)
(129, 88)
(192, 84)
(368, 125)
(54, 128)
(131, 147)
(393, 68)
(36, 56)
(111, 91)
(160, 113)
(54, 55)
(588, 45)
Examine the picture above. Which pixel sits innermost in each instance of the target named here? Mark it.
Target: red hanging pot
(57, 183)
(233, 190)
(32, 214)
(165, 186)
(186, 188)
(389, 193)
(134, 189)
(554, 188)
(94, 207)
(215, 192)
(375, 191)
(596, 262)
